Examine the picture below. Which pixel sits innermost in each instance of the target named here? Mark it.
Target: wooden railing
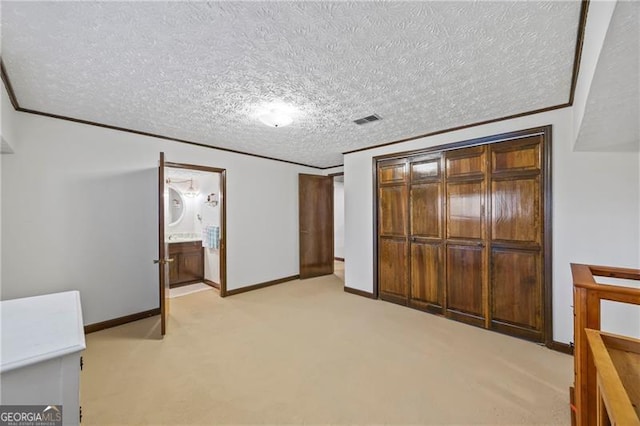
(587, 294)
(617, 362)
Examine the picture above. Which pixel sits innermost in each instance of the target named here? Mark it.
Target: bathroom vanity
(188, 263)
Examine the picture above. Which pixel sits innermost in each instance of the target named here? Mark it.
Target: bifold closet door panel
(392, 172)
(392, 215)
(517, 237)
(465, 210)
(466, 259)
(466, 163)
(516, 211)
(426, 233)
(523, 155)
(426, 273)
(393, 228)
(393, 267)
(426, 245)
(516, 288)
(465, 279)
(466, 187)
(426, 208)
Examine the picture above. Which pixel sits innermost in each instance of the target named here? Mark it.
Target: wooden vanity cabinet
(188, 263)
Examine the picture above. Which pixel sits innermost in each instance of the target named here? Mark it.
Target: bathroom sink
(183, 237)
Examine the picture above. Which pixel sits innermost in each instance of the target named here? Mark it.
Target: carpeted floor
(189, 289)
(305, 352)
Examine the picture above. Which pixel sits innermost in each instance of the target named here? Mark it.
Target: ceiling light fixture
(275, 118)
(276, 114)
(190, 192)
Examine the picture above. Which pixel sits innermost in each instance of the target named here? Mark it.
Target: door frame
(163, 250)
(333, 202)
(223, 212)
(546, 132)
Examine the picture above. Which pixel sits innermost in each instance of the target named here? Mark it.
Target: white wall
(1, 154)
(8, 137)
(79, 211)
(8, 140)
(595, 210)
(333, 170)
(338, 219)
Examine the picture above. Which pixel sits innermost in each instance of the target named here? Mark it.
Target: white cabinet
(41, 341)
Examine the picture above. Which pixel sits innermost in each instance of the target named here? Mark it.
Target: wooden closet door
(426, 234)
(393, 247)
(517, 227)
(466, 262)
(463, 232)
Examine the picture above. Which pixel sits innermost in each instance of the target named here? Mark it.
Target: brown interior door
(315, 209)
(393, 246)
(163, 250)
(517, 231)
(425, 205)
(466, 260)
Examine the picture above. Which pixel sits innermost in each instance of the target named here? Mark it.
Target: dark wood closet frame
(546, 132)
(223, 219)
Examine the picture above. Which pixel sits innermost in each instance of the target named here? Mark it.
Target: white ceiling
(612, 116)
(197, 71)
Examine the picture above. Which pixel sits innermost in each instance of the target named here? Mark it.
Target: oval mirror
(176, 207)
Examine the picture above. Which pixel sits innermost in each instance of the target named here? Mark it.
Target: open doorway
(195, 228)
(338, 224)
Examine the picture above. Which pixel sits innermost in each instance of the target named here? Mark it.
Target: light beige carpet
(189, 289)
(305, 352)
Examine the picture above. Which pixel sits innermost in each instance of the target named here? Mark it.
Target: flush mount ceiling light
(275, 119)
(276, 114)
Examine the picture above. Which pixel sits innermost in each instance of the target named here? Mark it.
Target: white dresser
(41, 340)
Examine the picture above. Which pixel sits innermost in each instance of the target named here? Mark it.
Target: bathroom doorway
(195, 228)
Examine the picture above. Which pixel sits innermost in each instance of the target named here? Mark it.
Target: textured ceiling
(198, 71)
(612, 117)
